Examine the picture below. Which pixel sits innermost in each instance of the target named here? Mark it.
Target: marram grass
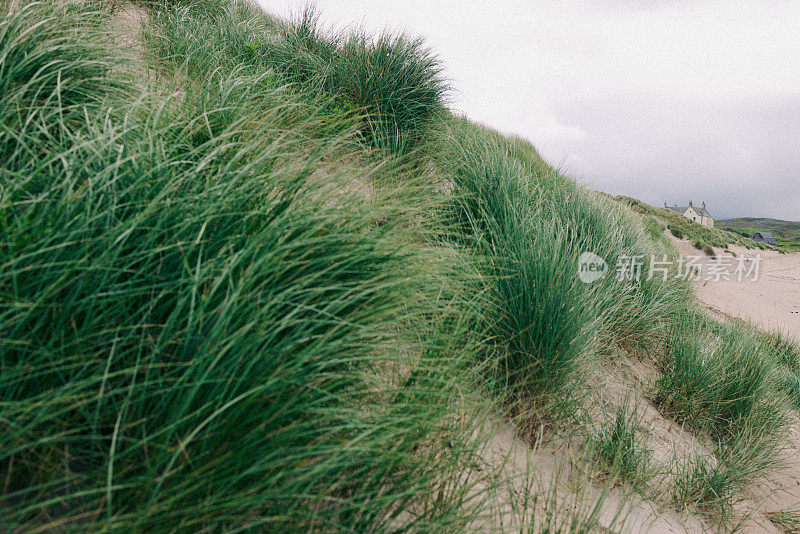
(194, 337)
(268, 284)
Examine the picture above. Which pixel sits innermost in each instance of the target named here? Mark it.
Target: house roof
(765, 235)
(682, 210)
(678, 209)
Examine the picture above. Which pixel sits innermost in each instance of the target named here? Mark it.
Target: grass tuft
(620, 451)
(701, 483)
(534, 226)
(393, 82)
(721, 381)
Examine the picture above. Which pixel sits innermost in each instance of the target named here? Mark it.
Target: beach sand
(772, 301)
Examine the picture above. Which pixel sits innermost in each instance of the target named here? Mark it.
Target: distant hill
(787, 233)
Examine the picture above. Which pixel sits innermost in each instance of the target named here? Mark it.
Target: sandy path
(772, 301)
(127, 25)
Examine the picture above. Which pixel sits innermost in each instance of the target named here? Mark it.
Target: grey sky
(663, 100)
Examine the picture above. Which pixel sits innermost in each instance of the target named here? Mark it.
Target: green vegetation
(545, 328)
(701, 482)
(620, 449)
(392, 84)
(192, 333)
(723, 381)
(269, 283)
(786, 354)
(510, 205)
(717, 376)
(788, 520)
(787, 233)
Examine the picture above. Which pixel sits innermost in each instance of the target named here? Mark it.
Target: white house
(699, 215)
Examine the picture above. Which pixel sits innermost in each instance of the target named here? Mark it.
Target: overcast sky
(663, 100)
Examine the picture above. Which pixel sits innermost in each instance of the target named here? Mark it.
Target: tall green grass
(199, 332)
(519, 209)
(786, 354)
(533, 225)
(620, 449)
(270, 292)
(722, 381)
(542, 329)
(391, 84)
(49, 78)
(716, 377)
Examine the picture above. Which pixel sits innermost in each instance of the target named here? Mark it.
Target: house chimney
(704, 205)
(690, 203)
(665, 203)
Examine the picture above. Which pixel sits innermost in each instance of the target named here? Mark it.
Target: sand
(772, 301)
